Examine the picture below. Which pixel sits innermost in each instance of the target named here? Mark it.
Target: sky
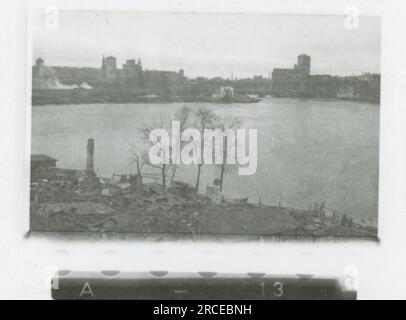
(209, 45)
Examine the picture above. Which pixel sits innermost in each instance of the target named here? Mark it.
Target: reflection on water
(308, 150)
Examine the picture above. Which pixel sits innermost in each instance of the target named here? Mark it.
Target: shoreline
(75, 96)
(65, 206)
(202, 100)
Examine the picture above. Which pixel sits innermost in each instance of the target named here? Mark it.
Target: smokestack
(90, 152)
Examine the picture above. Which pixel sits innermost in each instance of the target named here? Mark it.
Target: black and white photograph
(203, 157)
(205, 125)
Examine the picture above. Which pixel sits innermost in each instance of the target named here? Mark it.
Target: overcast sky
(210, 44)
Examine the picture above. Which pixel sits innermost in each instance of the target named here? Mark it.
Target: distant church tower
(103, 68)
(140, 74)
(103, 63)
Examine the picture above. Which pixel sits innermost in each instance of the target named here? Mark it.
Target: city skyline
(203, 54)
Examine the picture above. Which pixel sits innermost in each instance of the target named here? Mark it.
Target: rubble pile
(319, 221)
(124, 204)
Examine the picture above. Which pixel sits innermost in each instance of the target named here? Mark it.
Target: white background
(25, 263)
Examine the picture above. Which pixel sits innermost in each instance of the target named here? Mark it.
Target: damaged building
(42, 166)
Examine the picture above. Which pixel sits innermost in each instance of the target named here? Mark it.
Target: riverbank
(331, 98)
(82, 96)
(92, 96)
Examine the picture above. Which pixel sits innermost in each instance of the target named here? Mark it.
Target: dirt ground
(66, 208)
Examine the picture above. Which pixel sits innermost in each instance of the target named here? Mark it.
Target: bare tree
(205, 119)
(138, 161)
(145, 132)
(232, 123)
(183, 115)
(137, 158)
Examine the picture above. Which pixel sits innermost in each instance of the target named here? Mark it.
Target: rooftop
(41, 157)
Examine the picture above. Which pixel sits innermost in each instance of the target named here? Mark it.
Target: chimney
(90, 152)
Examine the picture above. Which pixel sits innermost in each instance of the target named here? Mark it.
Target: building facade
(303, 65)
(298, 82)
(109, 69)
